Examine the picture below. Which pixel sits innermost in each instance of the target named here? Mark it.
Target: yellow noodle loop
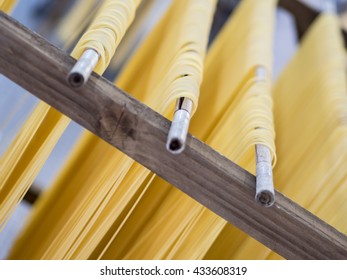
(181, 228)
(33, 145)
(107, 30)
(310, 110)
(99, 202)
(7, 5)
(93, 216)
(103, 205)
(27, 154)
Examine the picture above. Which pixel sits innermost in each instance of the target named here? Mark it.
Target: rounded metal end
(176, 139)
(76, 79)
(265, 198)
(83, 68)
(175, 146)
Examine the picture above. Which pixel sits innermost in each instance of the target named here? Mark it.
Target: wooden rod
(130, 126)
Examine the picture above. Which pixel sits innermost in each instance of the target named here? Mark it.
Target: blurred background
(47, 17)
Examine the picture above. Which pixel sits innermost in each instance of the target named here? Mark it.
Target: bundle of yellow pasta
(7, 5)
(104, 190)
(181, 228)
(310, 100)
(33, 141)
(31, 148)
(107, 30)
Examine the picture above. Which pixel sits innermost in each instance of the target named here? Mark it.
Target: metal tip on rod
(176, 145)
(177, 136)
(265, 198)
(83, 68)
(76, 79)
(265, 191)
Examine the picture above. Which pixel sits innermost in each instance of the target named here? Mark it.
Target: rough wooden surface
(130, 126)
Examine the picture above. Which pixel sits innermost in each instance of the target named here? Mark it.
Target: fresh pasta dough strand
(114, 208)
(186, 45)
(109, 166)
(254, 19)
(177, 244)
(119, 235)
(205, 34)
(310, 111)
(107, 30)
(7, 5)
(33, 145)
(23, 160)
(176, 68)
(326, 90)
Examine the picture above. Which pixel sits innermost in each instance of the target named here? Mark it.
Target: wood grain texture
(138, 131)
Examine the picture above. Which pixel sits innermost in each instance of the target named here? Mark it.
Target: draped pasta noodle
(104, 197)
(191, 231)
(31, 148)
(107, 30)
(182, 76)
(7, 5)
(105, 206)
(310, 100)
(33, 142)
(247, 39)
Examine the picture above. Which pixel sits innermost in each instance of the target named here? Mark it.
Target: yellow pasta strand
(7, 5)
(310, 112)
(198, 213)
(26, 156)
(107, 30)
(192, 221)
(103, 205)
(30, 148)
(72, 240)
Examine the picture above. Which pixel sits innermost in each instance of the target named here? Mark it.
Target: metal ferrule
(261, 73)
(83, 68)
(177, 136)
(265, 191)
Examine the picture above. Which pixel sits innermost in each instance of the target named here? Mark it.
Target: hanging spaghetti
(179, 227)
(7, 5)
(98, 197)
(98, 45)
(310, 99)
(32, 146)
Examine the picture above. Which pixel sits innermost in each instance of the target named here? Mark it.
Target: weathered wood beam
(138, 131)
